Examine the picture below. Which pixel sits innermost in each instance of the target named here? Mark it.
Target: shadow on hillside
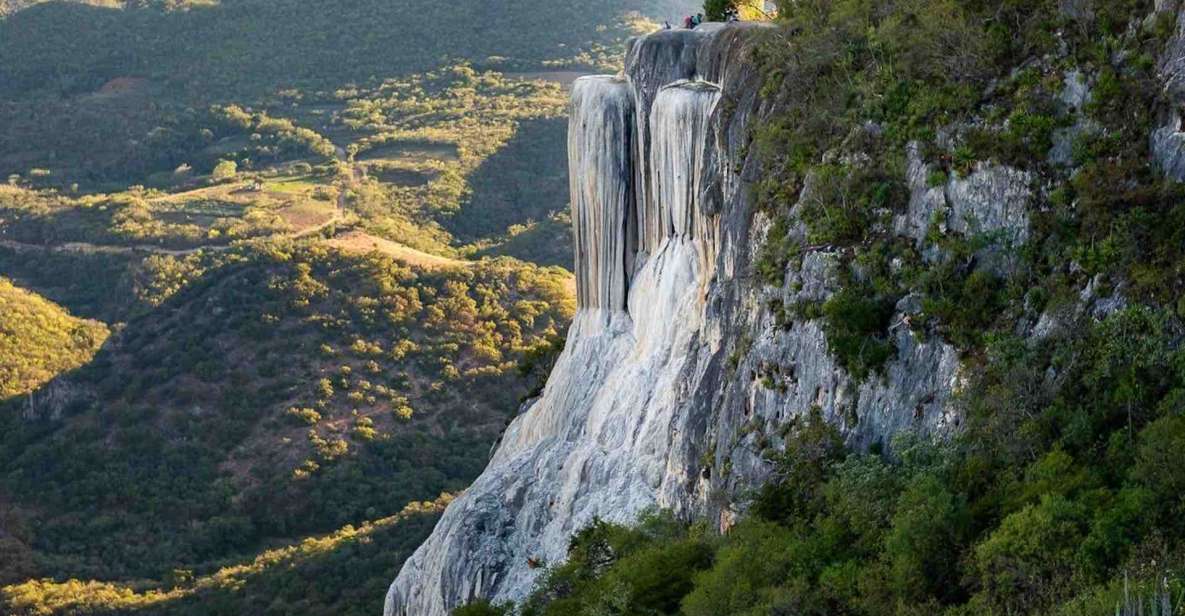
(548, 242)
(92, 286)
(525, 181)
(145, 453)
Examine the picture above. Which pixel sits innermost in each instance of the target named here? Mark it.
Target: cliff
(678, 378)
(620, 426)
(642, 409)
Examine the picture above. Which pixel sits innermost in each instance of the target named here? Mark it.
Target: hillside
(8, 7)
(39, 340)
(253, 46)
(266, 394)
(317, 577)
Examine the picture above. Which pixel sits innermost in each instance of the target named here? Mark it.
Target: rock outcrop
(677, 380)
(616, 430)
(643, 407)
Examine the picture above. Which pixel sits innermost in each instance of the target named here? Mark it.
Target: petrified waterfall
(600, 135)
(607, 438)
(678, 163)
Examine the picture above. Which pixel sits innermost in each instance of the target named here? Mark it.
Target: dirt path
(362, 242)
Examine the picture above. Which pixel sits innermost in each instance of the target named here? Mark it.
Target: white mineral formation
(600, 441)
(599, 141)
(653, 400)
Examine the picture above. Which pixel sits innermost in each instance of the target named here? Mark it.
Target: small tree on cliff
(717, 10)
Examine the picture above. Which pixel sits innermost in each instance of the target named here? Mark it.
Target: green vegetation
(717, 10)
(344, 573)
(855, 322)
(181, 442)
(1041, 507)
(458, 130)
(39, 340)
(882, 77)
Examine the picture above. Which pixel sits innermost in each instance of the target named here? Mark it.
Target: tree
(225, 170)
(717, 10)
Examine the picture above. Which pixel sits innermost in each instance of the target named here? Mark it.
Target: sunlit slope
(39, 340)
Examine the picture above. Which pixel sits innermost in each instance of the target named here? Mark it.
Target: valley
(300, 303)
(527, 308)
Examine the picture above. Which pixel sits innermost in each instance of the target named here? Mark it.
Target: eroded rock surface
(675, 381)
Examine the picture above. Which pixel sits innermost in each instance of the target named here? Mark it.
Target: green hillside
(278, 392)
(330, 575)
(39, 340)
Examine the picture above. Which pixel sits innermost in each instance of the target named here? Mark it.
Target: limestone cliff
(662, 396)
(620, 426)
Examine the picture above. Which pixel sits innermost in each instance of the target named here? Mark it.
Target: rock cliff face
(620, 426)
(676, 379)
(1168, 141)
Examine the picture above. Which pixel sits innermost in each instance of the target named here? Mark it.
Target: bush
(812, 448)
(1029, 559)
(757, 558)
(856, 323)
(922, 546)
(225, 170)
(482, 608)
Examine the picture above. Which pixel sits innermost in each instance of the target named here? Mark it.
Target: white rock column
(600, 140)
(679, 125)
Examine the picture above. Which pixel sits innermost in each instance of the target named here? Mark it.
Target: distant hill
(8, 7)
(237, 47)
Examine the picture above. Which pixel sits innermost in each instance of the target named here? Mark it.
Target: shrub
(856, 323)
(757, 558)
(225, 170)
(1028, 560)
(812, 447)
(304, 416)
(922, 547)
(482, 608)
